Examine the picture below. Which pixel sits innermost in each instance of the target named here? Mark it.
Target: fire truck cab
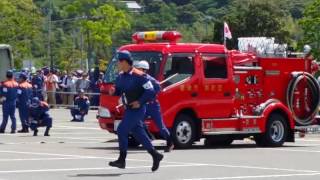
(218, 94)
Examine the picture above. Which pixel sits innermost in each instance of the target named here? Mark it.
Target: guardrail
(89, 94)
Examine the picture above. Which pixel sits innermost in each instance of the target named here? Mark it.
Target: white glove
(2, 99)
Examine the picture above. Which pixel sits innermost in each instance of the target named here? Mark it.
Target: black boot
(170, 145)
(2, 131)
(24, 130)
(13, 131)
(157, 157)
(121, 162)
(46, 133)
(35, 132)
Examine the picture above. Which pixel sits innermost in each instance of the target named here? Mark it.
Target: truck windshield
(153, 58)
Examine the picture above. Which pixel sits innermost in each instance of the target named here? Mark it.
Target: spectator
(37, 83)
(51, 87)
(96, 81)
(71, 88)
(83, 83)
(63, 87)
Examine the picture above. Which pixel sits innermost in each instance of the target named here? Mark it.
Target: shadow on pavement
(199, 147)
(109, 174)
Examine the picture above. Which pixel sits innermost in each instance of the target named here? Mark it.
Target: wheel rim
(184, 132)
(277, 131)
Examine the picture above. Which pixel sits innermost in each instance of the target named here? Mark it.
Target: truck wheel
(218, 141)
(132, 142)
(276, 132)
(183, 131)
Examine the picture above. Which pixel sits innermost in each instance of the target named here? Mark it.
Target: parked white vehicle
(6, 60)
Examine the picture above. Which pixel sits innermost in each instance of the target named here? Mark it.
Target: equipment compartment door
(216, 95)
(180, 85)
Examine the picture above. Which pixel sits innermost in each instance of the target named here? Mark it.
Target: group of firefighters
(138, 92)
(33, 112)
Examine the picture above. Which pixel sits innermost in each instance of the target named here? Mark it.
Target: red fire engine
(218, 94)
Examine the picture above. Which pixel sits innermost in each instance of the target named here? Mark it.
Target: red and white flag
(227, 32)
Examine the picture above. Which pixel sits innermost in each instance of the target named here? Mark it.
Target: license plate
(116, 124)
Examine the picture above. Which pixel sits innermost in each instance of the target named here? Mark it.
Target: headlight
(104, 112)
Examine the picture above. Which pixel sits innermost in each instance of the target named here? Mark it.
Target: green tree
(311, 27)
(20, 23)
(100, 21)
(252, 18)
(109, 21)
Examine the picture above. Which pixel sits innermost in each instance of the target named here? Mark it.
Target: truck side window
(215, 66)
(178, 68)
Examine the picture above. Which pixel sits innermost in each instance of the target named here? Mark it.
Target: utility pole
(49, 34)
(89, 51)
(81, 48)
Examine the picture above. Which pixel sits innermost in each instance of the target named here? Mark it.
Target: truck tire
(132, 142)
(183, 131)
(276, 132)
(218, 141)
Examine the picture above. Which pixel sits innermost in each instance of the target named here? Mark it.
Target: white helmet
(142, 65)
(306, 49)
(33, 69)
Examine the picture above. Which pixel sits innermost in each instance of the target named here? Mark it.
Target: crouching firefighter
(135, 90)
(39, 116)
(81, 108)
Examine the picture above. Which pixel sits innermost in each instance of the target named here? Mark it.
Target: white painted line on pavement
(47, 154)
(83, 138)
(255, 177)
(263, 168)
(78, 133)
(309, 140)
(87, 169)
(302, 145)
(183, 163)
(43, 159)
(249, 167)
(57, 142)
(292, 150)
(75, 127)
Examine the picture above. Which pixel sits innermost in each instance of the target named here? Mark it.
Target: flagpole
(224, 36)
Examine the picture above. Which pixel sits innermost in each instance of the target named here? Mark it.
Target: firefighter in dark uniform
(24, 100)
(37, 84)
(135, 90)
(81, 108)
(8, 94)
(39, 116)
(153, 107)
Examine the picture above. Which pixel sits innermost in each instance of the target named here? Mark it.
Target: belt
(152, 101)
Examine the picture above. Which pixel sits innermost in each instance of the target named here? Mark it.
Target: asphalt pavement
(81, 151)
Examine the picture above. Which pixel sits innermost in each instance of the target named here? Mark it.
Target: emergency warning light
(171, 36)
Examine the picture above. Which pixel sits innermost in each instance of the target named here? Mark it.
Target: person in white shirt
(83, 83)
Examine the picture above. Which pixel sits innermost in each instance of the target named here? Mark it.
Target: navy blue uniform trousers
(153, 110)
(132, 122)
(8, 109)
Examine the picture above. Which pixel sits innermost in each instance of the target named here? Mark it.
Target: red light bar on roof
(171, 36)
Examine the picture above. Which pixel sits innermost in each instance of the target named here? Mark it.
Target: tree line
(67, 32)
